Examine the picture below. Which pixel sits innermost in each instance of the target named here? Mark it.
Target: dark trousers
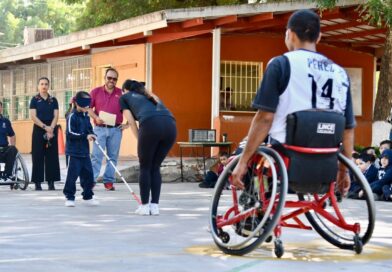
(377, 186)
(45, 157)
(79, 167)
(8, 156)
(156, 137)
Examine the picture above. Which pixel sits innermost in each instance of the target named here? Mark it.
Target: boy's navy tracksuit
(78, 150)
(382, 186)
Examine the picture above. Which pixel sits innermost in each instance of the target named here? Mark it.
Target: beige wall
(130, 63)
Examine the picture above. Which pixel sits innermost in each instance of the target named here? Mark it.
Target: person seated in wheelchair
(8, 150)
(295, 82)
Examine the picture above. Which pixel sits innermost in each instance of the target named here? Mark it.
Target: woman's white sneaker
(69, 203)
(91, 202)
(143, 210)
(154, 209)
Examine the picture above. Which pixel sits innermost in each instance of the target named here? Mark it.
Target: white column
(149, 66)
(216, 48)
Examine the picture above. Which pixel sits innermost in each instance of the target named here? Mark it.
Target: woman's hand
(124, 126)
(49, 129)
(49, 135)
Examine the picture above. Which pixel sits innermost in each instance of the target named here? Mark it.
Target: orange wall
(261, 48)
(182, 79)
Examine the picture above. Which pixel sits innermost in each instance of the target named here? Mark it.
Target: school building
(204, 63)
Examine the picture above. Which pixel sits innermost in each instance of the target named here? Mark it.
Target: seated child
(79, 132)
(384, 175)
(364, 162)
(215, 170)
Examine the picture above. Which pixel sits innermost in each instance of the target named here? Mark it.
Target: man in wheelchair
(301, 80)
(8, 150)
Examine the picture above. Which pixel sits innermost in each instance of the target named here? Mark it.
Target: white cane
(118, 172)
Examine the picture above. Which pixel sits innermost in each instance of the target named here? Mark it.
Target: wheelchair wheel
(241, 220)
(357, 212)
(20, 173)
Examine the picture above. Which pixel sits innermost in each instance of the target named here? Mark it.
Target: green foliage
(376, 12)
(16, 14)
(99, 12)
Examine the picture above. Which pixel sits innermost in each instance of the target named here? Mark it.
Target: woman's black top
(45, 108)
(141, 107)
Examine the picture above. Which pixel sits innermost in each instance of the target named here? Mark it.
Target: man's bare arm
(258, 131)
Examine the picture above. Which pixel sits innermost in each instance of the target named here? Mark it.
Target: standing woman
(44, 111)
(156, 135)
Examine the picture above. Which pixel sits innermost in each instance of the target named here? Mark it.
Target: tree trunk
(383, 105)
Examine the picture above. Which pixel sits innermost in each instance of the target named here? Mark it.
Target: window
(19, 85)
(238, 84)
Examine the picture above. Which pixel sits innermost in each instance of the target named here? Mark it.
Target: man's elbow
(265, 117)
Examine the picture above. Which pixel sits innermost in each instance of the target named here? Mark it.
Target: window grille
(238, 84)
(6, 88)
(19, 85)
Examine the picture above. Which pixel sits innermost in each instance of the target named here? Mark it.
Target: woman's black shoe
(38, 187)
(51, 186)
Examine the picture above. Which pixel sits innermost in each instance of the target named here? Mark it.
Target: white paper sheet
(108, 118)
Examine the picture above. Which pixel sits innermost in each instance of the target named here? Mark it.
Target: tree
(378, 13)
(99, 12)
(16, 14)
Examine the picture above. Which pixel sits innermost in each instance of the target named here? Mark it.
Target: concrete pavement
(37, 233)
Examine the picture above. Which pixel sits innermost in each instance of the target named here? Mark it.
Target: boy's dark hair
(389, 142)
(224, 154)
(365, 150)
(306, 24)
(367, 157)
(355, 155)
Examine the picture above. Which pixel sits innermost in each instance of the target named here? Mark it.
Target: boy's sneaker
(154, 209)
(143, 209)
(204, 184)
(92, 202)
(70, 203)
(109, 186)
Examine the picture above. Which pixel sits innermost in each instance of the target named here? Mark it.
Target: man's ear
(319, 38)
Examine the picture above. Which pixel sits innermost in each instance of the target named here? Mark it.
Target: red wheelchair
(241, 220)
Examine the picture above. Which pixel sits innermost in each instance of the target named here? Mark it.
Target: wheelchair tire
(21, 175)
(242, 237)
(337, 236)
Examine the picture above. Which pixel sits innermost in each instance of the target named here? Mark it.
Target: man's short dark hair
(111, 69)
(306, 24)
(1, 103)
(389, 142)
